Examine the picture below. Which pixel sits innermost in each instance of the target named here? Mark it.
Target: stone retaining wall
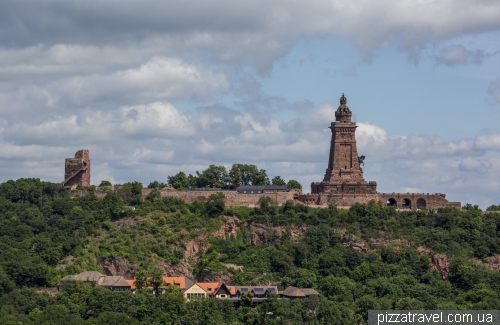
(232, 197)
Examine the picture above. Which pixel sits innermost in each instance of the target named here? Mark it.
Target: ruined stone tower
(343, 175)
(77, 170)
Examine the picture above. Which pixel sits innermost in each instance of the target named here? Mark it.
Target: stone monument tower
(77, 169)
(343, 175)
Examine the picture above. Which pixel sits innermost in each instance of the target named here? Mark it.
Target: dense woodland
(41, 226)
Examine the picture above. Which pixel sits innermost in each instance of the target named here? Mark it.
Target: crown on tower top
(343, 100)
(343, 113)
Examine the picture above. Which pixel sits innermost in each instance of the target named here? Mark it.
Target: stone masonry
(344, 184)
(77, 170)
(343, 175)
(232, 197)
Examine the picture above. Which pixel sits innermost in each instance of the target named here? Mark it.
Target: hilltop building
(77, 170)
(344, 183)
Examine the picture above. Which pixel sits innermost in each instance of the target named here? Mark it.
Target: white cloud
(458, 54)
(470, 164)
(160, 78)
(258, 32)
(148, 142)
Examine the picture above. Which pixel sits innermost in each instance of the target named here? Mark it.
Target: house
(131, 282)
(194, 291)
(87, 276)
(258, 291)
(114, 283)
(180, 282)
(217, 289)
(294, 293)
(264, 189)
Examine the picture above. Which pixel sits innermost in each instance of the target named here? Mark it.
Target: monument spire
(343, 174)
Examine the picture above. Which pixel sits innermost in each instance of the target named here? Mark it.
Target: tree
(267, 205)
(260, 178)
(304, 278)
(493, 208)
(293, 184)
(235, 176)
(277, 180)
(215, 204)
(155, 279)
(141, 279)
(57, 314)
(105, 183)
(6, 285)
(131, 192)
(156, 185)
(154, 195)
(179, 181)
(213, 176)
(243, 174)
(470, 207)
(114, 318)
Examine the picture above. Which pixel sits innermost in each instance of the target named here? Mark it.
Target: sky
(152, 88)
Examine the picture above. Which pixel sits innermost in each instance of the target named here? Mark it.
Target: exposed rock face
(232, 224)
(119, 266)
(387, 242)
(208, 275)
(180, 269)
(192, 247)
(229, 227)
(441, 263)
(255, 239)
(494, 262)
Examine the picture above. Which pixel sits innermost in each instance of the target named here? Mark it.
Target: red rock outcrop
(119, 266)
(494, 262)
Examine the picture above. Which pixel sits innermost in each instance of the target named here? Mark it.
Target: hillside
(368, 257)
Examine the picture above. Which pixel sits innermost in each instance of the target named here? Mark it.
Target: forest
(42, 228)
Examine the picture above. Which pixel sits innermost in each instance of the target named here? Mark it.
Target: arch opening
(421, 204)
(406, 204)
(391, 202)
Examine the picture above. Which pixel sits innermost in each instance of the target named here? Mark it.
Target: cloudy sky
(154, 87)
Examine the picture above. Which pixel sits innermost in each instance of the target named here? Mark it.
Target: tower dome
(343, 113)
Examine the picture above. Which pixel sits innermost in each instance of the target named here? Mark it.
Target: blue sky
(155, 87)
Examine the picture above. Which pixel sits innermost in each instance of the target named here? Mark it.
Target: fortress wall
(232, 197)
(419, 200)
(346, 199)
(340, 200)
(97, 193)
(415, 200)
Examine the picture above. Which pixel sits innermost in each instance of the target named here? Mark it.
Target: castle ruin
(77, 170)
